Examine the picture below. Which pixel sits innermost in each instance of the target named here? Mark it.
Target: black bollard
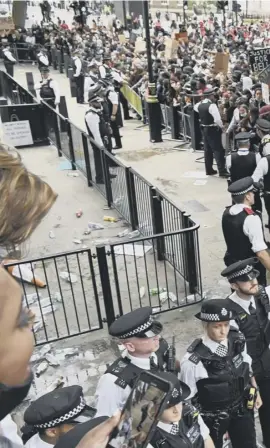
(30, 83)
(63, 107)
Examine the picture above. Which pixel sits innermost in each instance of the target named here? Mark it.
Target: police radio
(252, 394)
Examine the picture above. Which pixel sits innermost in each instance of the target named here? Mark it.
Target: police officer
(48, 89)
(104, 69)
(242, 228)
(53, 415)
(217, 369)
(180, 425)
(243, 162)
(212, 130)
(262, 171)
(42, 59)
(77, 66)
(113, 104)
(139, 333)
(9, 61)
(250, 303)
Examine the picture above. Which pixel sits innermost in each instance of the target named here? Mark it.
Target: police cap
(72, 438)
(242, 186)
(60, 406)
(215, 310)
(264, 110)
(180, 390)
(242, 271)
(211, 91)
(138, 323)
(44, 69)
(244, 137)
(263, 125)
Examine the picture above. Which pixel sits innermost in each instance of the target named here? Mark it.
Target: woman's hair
(25, 199)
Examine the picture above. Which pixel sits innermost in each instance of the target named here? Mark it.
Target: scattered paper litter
(132, 250)
(157, 309)
(134, 234)
(57, 296)
(167, 296)
(200, 182)
(45, 349)
(52, 360)
(51, 234)
(95, 226)
(56, 384)
(142, 292)
(72, 174)
(68, 352)
(122, 234)
(25, 273)
(71, 278)
(37, 326)
(77, 241)
(29, 299)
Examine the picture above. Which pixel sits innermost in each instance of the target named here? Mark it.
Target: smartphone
(140, 415)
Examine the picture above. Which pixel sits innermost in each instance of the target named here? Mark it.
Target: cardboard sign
(6, 23)
(181, 36)
(122, 39)
(171, 47)
(221, 62)
(264, 76)
(17, 133)
(265, 93)
(140, 45)
(259, 59)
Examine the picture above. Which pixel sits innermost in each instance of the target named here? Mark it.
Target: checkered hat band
(68, 416)
(244, 191)
(244, 271)
(138, 330)
(210, 317)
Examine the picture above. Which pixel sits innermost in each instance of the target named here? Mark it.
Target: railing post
(54, 58)
(132, 203)
(71, 147)
(106, 177)
(190, 256)
(105, 284)
(57, 134)
(158, 223)
(87, 160)
(72, 84)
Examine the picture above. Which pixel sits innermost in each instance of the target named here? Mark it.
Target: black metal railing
(70, 306)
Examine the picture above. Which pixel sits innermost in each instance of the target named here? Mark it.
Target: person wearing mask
(250, 304)
(258, 100)
(242, 227)
(9, 61)
(78, 76)
(139, 333)
(48, 89)
(180, 425)
(262, 171)
(212, 130)
(217, 370)
(54, 414)
(243, 162)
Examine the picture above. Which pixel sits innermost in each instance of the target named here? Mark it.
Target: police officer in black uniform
(250, 303)
(243, 162)
(262, 171)
(42, 59)
(9, 61)
(242, 228)
(180, 425)
(78, 75)
(145, 350)
(217, 369)
(47, 89)
(212, 130)
(54, 414)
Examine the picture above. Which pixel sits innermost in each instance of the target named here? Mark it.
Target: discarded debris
(87, 232)
(52, 360)
(31, 298)
(41, 368)
(57, 296)
(69, 352)
(157, 309)
(51, 234)
(25, 273)
(167, 296)
(37, 326)
(95, 226)
(73, 174)
(134, 234)
(106, 207)
(84, 247)
(77, 241)
(79, 213)
(142, 292)
(71, 278)
(122, 234)
(56, 384)
(45, 349)
(110, 219)
(156, 291)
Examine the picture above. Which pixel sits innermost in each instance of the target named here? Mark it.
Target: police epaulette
(194, 358)
(194, 345)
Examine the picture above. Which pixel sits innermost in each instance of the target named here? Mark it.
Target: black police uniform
(8, 62)
(79, 80)
(256, 329)
(189, 434)
(47, 93)
(221, 397)
(41, 64)
(238, 244)
(212, 138)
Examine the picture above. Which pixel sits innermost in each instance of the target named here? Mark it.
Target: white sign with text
(17, 133)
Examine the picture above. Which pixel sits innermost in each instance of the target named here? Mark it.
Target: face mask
(243, 115)
(11, 397)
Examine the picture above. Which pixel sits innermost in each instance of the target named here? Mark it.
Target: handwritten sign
(17, 133)
(265, 93)
(259, 59)
(6, 23)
